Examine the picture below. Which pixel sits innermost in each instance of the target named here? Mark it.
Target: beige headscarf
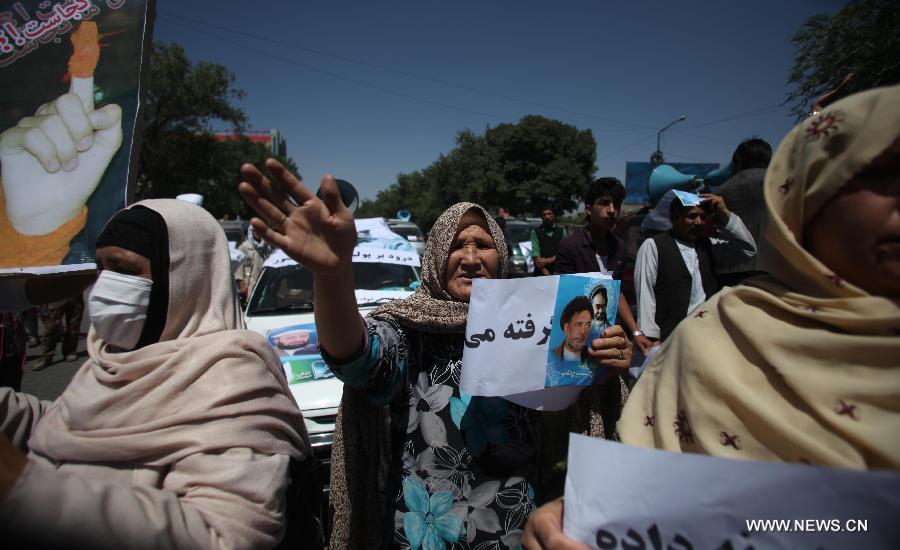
(205, 386)
(800, 366)
(431, 308)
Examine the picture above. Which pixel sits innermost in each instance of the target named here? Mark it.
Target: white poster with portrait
(526, 339)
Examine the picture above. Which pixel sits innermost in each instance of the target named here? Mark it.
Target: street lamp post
(657, 157)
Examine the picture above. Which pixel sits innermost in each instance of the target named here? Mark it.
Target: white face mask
(118, 308)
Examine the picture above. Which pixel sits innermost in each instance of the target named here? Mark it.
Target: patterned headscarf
(800, 366)
(431, 308)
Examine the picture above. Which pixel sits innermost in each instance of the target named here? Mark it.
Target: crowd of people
(180, 430)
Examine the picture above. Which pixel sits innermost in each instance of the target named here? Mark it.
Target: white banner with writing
(360, 255)
(619, 496)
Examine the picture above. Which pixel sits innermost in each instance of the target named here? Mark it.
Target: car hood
(311, 395)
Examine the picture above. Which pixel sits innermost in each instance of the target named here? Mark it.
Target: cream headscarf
(431, 308)
(800, 366)
(204, 387)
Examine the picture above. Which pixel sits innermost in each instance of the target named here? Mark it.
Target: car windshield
(290, 288)
(519, 232)
(407, 231)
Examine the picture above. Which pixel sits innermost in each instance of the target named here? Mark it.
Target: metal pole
(657, 157)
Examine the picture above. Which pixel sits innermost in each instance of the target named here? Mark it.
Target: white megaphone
(664, 178)
(404, 215)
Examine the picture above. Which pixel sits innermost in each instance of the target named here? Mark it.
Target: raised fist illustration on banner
(53, 161)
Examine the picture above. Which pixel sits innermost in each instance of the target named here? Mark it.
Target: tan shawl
(206, 386)
(800, 366)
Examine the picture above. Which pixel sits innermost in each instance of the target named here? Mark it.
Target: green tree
(520, 166)
(179, 153)
(862, 39)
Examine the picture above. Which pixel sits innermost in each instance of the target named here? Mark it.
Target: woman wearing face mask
(416, 463)
(801, 366)
(179, 429)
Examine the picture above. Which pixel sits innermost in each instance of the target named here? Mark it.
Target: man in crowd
(676, 270)
(594, 248)
(19, 294)
(575, 321)
(256, 251)
(743, 193)
(545, 240)
(60, 318)
(296, 342)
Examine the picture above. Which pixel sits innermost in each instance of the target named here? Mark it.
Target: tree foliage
(521, 166)
(862, 38)
(179, 154)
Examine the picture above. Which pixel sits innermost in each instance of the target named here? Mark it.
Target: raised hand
(53, 161)
(318, 233)
(715, 206)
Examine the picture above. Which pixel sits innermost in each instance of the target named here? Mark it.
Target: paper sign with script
(528, 336)
(618, 496)
(687, 199)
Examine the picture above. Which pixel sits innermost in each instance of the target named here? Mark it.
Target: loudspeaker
(664, 177)
(718, 176)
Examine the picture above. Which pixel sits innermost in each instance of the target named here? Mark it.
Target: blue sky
(367, 90)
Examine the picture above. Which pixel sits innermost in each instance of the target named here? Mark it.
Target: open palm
(318, 233)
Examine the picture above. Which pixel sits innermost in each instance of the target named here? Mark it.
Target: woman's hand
(12, 462)
(544, 529)
(612, 350)
(318, 233)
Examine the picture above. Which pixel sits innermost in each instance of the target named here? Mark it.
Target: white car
(281, 309)
(411, 232)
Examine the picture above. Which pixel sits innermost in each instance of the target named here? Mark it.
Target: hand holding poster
(618, 496)
(70, 72)
(531, 335)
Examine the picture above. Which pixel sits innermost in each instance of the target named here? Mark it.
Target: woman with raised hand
(801, 366)
(416, 463)
(179, 430)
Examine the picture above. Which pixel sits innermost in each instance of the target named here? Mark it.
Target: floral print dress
(463, 466)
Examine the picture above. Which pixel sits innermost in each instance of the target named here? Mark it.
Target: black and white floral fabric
(464, 463)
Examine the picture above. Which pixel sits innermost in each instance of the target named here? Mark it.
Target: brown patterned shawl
(431, 308)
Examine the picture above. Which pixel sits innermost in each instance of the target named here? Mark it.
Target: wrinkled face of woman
(473, 255)
(857, 232)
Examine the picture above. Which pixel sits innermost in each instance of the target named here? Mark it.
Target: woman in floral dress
(428, 466)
